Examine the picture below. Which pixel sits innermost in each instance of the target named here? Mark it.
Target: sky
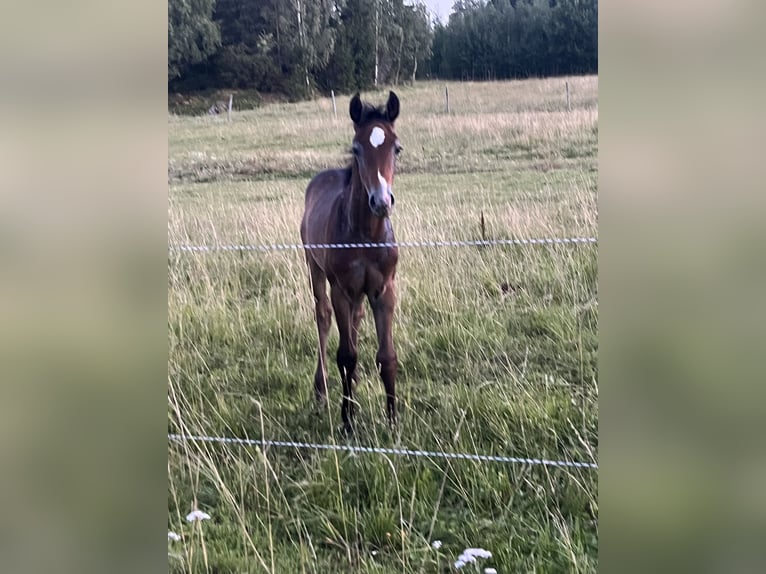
(440, 8)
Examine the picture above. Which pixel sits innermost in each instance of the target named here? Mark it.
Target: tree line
(500, 39)
(298, 47)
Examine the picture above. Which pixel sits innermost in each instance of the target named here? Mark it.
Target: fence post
(334, 110)
(569, 108)
(446, 97)
(231, 100)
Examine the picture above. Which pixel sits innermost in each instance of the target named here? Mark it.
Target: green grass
(497, 346)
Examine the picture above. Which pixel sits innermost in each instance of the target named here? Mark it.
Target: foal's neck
(361, 220)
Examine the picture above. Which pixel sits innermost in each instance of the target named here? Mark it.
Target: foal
(353, 205)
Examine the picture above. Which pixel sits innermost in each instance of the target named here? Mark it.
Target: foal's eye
(398, 149)
(356, 149)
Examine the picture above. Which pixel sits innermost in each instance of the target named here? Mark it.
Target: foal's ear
(355, 108)
(392, 107)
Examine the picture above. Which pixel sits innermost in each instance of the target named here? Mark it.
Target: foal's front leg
(383, 309)
(347, 355)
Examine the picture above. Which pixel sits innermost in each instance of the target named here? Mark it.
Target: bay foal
(353, 205)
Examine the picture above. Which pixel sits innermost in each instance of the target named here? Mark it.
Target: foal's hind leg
(323, 314)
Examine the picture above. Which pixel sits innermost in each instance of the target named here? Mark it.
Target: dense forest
(299, 47)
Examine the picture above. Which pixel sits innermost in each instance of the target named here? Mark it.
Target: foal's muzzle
(381, 204)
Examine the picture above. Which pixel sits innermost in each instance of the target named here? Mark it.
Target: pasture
(497, 345)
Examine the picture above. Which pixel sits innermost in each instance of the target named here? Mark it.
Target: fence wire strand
(382, 450)
(445, 243)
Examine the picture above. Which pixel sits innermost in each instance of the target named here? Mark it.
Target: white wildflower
(490, 571)
(470, 555)
(173, 536)
(197, 515)
(478, 552)
(436, 544)
(374, 553)
(466, 558)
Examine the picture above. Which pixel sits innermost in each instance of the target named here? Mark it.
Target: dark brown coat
(353, 205)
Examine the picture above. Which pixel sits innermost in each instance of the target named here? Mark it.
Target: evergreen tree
(192, 35)
(487, 39)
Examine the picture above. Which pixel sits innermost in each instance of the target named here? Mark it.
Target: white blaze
(382, 180)
(377, 136)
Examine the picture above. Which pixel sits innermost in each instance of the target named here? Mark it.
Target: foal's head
(375, 147)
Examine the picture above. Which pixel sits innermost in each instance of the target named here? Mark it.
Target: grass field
(497, 345)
